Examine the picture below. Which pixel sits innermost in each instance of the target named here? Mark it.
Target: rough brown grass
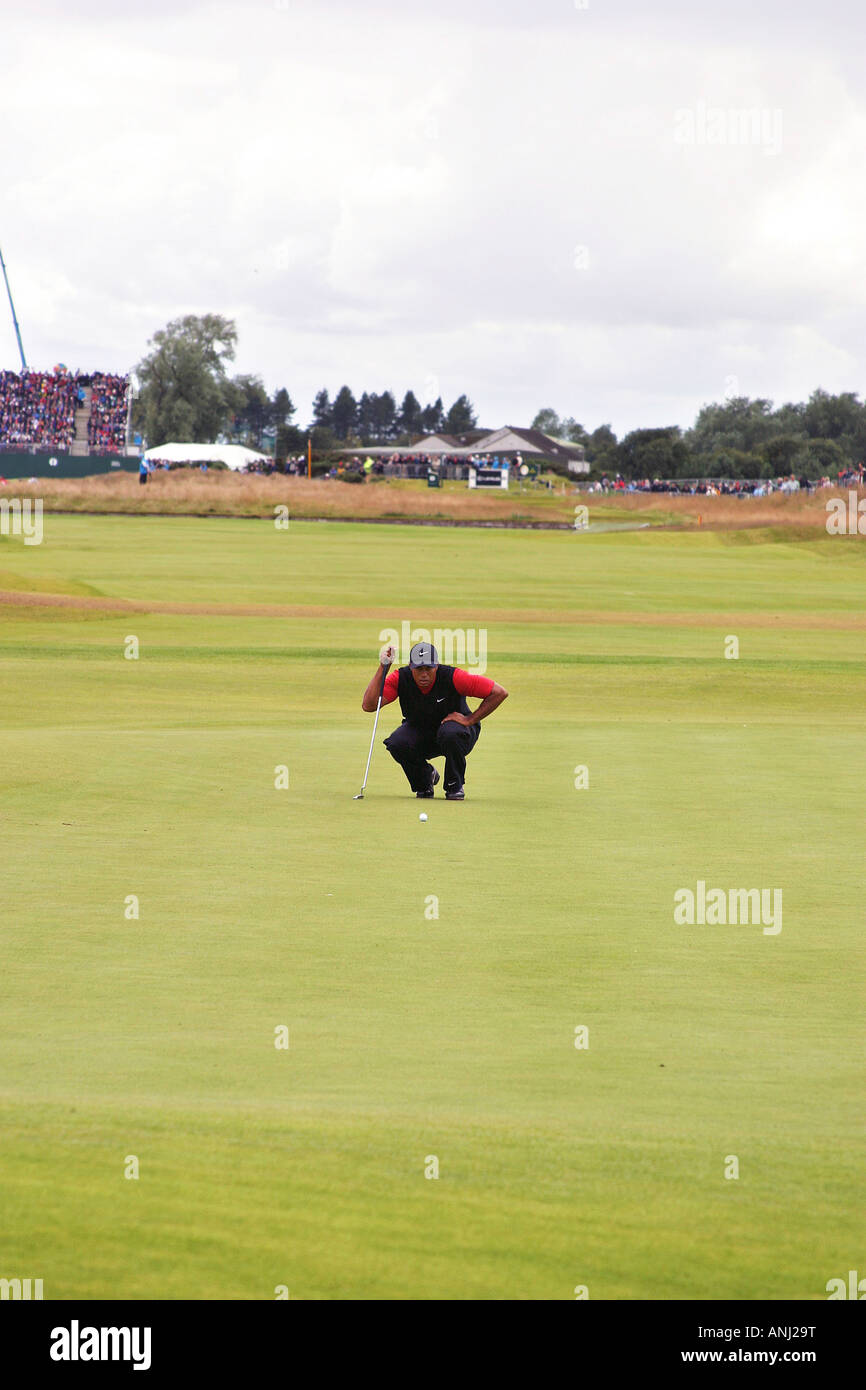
(237, 494)
(249, 495)
(781, 509)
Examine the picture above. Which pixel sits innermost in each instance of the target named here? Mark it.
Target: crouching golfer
(437, 722)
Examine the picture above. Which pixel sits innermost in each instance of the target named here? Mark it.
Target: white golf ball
(423, 815)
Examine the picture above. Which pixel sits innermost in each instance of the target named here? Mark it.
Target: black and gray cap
(423, 654)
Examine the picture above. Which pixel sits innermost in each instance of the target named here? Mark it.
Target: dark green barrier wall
(39, 465)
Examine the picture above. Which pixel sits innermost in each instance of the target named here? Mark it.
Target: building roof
(510, 439)
(429, 444)
(513, 439)
(435, 444)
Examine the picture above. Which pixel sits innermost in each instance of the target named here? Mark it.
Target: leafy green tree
(252, 409)
(601, 438)
(654, 453)
(184, 392)
(739, 423)
(289, 440)
(460, 417)
(323, 439)
(344, 413)
(601, 449)
(824, 456)
(566, 427)
(833, 417)
(841, 418)
(789, 419)
(784, 453)
(571, 430)
(548, 422)
(732, 463)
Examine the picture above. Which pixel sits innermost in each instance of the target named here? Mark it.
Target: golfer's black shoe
(458, 794)
(433, 780)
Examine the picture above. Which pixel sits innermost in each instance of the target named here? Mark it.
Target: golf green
(700, 1139)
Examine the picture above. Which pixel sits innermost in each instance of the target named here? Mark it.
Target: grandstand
(83, 416)
(80, 414)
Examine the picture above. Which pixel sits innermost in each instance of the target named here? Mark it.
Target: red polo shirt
(464, 684)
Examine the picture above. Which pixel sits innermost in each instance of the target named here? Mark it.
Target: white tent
(232, 455)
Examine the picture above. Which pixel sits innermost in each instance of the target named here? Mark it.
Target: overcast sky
(621, 209)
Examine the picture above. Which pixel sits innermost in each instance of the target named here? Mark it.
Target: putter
(360, 796)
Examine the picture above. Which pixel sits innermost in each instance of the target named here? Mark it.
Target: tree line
(377, 419)
(735, 438)
(186, 393)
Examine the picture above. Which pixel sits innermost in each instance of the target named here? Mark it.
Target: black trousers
(411, 747)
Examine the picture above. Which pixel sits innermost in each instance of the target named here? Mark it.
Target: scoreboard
(486, 475)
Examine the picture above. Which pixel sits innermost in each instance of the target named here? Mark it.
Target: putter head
(359, 797)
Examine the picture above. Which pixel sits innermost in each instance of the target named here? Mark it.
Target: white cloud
(495, 196)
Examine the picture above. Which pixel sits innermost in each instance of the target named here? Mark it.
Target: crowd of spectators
(267, 466)
(37, 408)
(419, 465)
(457, 465)
(414, 465)
(730, 487)
(106, 428)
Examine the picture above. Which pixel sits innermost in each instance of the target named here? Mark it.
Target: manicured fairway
(410, 1037)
